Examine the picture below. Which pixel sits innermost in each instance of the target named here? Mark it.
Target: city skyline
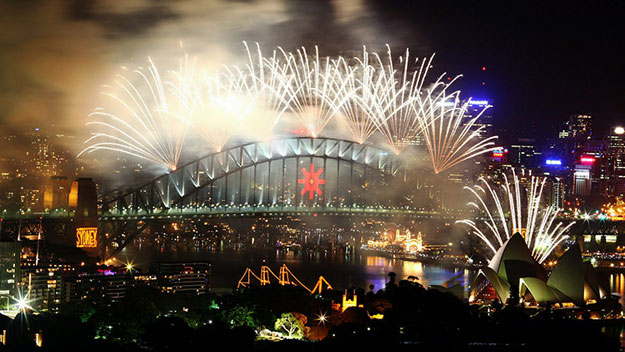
(260, 175)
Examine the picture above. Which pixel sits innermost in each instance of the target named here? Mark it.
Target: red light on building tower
(587, 160)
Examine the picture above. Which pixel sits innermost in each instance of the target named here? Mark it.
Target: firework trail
(269, 80)
(219, 105)
(357, 90)
(394, 114)
(142, 121)
(311, 89)
(525, 214)
(449, 137)
(150, 116)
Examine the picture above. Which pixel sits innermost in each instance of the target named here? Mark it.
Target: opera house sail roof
(514, 268)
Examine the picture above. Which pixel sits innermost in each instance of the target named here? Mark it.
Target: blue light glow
(478, 102)
(553, 162)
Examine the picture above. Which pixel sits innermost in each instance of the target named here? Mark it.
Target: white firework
(356, 92)
(142, 120)
(542, 232)
(449, 137)
(220, 104)
(150, 116)
(394, 114)
(269, 79)
(311, 83)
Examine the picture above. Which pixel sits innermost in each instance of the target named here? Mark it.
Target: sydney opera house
(513, 270)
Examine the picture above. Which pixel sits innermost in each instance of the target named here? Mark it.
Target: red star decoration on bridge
(311, 181)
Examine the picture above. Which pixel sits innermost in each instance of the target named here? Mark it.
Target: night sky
(544, 60)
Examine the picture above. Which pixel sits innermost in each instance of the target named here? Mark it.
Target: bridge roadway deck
(277, 211)
(237, 211)
(218, 212)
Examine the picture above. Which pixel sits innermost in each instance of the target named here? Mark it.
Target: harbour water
(342, 271)
(358, 269)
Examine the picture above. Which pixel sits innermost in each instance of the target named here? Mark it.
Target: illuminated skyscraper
(576, 131)
(615, 158)
(582, 179)
(485, 120)
(524, 153)
(555, 191)
(580, 126)
(9, 267)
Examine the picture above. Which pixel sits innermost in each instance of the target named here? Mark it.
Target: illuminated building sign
(587, 160)
(498, 153)
(478, 102)
(553, 162)
(86, 237)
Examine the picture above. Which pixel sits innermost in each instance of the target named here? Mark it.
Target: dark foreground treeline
(415, 319)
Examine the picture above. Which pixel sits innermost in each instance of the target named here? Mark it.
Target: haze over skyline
(567, 58)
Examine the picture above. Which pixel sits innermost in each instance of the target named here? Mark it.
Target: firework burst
(450, 138)
(311, 87)
(355, 93)
(526, 215)
(268, 79)
(150, 116)
(219, 105)
(142, 121)
(394, 114)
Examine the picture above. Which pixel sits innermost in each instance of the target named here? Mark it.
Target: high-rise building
(571, 139)
(10, 252)
(44, 283)
(593, 153)
(580, 126)
(582, 180)
(105, 287)
(524, 153)
(182, 277)
(555, 192)
(615, 161)
(485, 119)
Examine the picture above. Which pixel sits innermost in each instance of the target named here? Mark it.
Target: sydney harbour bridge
(296, 176)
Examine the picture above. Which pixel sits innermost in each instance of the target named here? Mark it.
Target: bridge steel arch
(258, 178)
(262, 177)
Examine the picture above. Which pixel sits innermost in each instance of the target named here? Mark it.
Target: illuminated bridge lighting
(284, 278)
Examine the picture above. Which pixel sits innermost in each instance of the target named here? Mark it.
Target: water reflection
(617, 285)
(341, 270)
